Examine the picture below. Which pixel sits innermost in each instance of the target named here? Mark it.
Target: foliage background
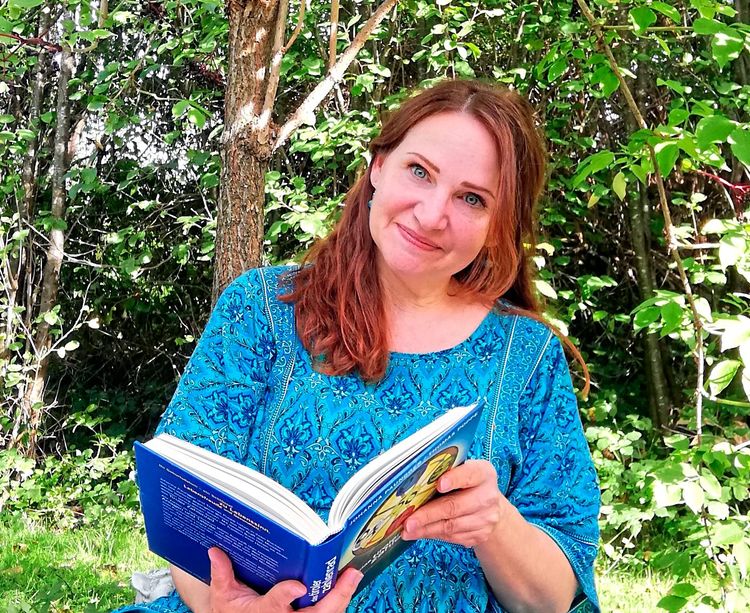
(668, 415)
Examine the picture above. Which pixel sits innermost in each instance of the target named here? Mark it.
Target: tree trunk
(32, 405)
(239, 229)
(257, 30)
(16, 266)
(660, 402)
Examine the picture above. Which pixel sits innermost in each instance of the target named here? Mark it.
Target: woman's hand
(468, 515)
(227, 595)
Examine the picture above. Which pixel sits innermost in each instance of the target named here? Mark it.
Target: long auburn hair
(338, 301)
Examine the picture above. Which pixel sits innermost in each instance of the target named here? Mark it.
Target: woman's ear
(376, 168)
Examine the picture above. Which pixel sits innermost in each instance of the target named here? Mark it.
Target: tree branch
(274, 73)
(335, 74)
(34, 41)
(298, 29)
(672, 244)
(334, 33)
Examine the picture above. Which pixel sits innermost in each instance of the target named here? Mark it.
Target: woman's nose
(432, 211)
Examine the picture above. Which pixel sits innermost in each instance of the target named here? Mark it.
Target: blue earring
(369, 203)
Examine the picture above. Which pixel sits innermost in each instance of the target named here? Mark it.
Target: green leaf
(646, 316)
(672, 603)
(710, 485)
(592, 164)
(557, 69)
(666, 494)
(717, 510)
(5, 25)
(50, 317)
(745, 380)
(666, 156)
(606, 78)
(736, 333)
(667, 10)
(732, 249)
(726, 46)
(181, 253)
(740, 142)
(713, 129)
(728, 534)
(722, 375)
(178, 110)
(677, 441)
(619, 185)
(741, 553)
(707, 26)
(24, 4)
(545, 289)
(678, 116)
(693, 496)
(671, 314)
(683, 590)
(642, 17)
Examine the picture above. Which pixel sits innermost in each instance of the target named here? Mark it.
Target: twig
(334, 75)
(34, 41)
(698, 246)
(298, 29)
(668, 226)
(274, 74)
(334, 33)
(649, 29)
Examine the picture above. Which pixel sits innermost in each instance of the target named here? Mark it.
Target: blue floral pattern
(250, 392)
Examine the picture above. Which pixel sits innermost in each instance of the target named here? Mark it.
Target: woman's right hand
(227, 595)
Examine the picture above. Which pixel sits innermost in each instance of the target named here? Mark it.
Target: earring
(369, 203)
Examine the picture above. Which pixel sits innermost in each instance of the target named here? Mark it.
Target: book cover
(185, 515)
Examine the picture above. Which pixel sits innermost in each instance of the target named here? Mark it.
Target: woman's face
(434, 194)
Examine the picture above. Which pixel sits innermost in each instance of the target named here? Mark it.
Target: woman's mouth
(417, 239)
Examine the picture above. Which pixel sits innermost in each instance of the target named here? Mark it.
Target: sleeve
(556, 487)
(217, 397)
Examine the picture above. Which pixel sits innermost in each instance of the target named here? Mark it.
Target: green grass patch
(80, 570)
(44, 569)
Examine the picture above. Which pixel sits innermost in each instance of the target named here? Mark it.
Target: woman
(421, 299)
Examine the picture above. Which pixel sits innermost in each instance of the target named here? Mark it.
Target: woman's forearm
(525, 568)
(194, 593)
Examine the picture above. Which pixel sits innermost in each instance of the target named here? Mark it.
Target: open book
(193, 499)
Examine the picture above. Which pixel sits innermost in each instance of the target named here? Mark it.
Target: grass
(631, 592)
(43, 569)
(47, 570)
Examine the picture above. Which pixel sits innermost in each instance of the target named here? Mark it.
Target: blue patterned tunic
(250, 393)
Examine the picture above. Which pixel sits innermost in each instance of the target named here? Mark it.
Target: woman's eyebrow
(425, 160)
(434, 167)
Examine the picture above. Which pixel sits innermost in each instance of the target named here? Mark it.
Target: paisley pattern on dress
(250, 393)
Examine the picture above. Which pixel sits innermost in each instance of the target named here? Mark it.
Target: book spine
(321, 570)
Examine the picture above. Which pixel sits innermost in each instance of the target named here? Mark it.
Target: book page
(245, 484)
(372, 476)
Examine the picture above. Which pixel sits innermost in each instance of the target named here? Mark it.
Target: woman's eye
(418, 171)
(473, 200)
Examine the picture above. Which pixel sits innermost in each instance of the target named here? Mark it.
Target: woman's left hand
(469, 511)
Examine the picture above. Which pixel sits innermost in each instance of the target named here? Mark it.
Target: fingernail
(444, 485)
(357, 578)
(300, 591)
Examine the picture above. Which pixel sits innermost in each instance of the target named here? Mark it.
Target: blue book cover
(190, 508)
